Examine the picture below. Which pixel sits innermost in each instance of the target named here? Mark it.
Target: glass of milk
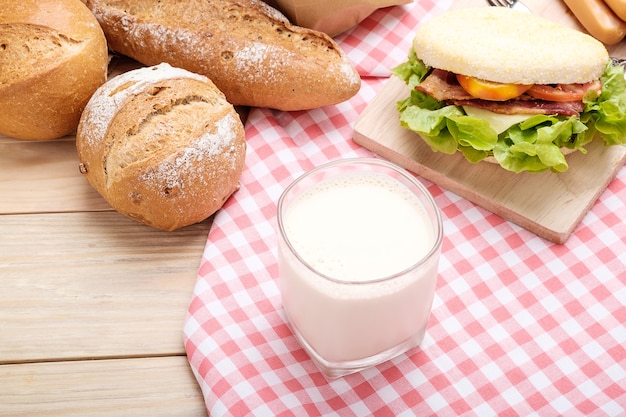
(358, 249)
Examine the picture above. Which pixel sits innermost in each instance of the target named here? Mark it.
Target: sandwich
(511, 88)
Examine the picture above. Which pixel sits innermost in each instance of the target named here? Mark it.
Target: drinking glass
(358, 249)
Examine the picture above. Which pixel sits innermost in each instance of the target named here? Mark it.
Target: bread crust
(53, 56)
(504, 45)
(162, 146)
(248, 49)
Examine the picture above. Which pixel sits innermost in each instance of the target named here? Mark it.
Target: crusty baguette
(504, 45)
(248, 49)
(53, 56)
(162, 146)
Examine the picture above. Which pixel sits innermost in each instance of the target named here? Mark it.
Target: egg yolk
(490, 90)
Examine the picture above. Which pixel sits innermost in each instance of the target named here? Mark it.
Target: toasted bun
(504, 45)
(53, 56)
(162, 146)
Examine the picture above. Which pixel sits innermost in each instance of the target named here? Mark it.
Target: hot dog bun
(248, 49)
(618, 7)
(506, 46)
(162, 146)
(53, 56)
(599, 20)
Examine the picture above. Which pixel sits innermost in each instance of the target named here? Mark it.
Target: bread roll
(162, 146)
(508, 46)
(248, 49)
(53, 56)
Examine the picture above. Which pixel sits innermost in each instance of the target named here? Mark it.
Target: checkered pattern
(519, 326)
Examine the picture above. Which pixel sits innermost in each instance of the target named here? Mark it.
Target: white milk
(357, 229)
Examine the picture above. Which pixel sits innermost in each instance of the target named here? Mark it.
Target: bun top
(508, 46)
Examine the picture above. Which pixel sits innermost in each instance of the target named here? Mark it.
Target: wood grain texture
(93, 284)
(550, 205)
(44, 177)
(154, 387)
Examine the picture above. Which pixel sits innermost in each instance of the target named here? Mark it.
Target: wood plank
(131, 387)
(93, 284)
(43, 176)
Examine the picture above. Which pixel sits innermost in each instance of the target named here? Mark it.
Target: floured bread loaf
(162, 146)
(248, 49)
(53, 56)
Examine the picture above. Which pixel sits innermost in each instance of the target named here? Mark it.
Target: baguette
(53, 56)
(162, 146)
(599, 20)
(248, 49)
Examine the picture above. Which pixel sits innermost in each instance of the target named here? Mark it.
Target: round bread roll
(53, 56)
(162, 146)
(507, 46)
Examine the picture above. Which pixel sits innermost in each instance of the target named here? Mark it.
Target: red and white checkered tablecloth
(519, 327)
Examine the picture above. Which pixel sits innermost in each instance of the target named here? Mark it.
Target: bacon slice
(443, 86)
(522, 106)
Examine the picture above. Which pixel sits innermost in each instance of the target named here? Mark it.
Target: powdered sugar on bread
(162, 146)
(107, 100)
(186, 166)
(249, 50)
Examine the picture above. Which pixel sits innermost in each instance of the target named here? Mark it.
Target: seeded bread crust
(248, 49)
(53, 56)
(162, 146)
(504, 45)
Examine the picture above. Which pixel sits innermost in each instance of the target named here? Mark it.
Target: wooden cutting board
(550, 205)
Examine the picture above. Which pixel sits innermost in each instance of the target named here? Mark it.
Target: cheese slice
(498, 122)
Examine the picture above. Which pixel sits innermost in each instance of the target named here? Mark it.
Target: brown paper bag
(330, 16)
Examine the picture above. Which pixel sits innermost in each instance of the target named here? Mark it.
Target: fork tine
(501, 3)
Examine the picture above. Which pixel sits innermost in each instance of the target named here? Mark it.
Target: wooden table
(91, 303)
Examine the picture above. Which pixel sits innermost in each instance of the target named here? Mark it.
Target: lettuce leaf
(608, 111)
(533, 145)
